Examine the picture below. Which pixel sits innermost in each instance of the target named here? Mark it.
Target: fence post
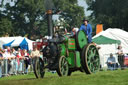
(22, 65)
(5, 67)
(0, 69)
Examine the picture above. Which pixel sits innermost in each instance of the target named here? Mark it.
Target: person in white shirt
(35, 53)
(11, 59)
(8, 60)
(74, 31)
(120, 56)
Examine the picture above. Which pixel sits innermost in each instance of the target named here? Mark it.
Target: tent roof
(8, 44)
(117, 34)
(24, 44)
(17, 41)
(105, 40)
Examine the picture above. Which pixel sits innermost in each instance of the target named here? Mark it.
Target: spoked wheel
(38, 67)
(63, 66)
(90, 59)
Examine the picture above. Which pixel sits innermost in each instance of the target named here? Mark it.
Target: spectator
(26, 60)
(7, 65)
(11, 61)
(35, 53)
(20, 63)
(111, 62)
(14, 61)
(120, 56)
(14, 51)
(1, 58)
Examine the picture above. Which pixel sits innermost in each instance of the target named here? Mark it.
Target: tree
(111, 13)
(27, 16)
(71, 12)
(5, 26)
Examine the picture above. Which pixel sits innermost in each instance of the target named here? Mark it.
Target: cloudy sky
(83, 3)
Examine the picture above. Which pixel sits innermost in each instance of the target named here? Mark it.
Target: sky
(83, 4)
(7, 1)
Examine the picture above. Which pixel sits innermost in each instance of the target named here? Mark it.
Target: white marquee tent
(16, 41)
(106, 49)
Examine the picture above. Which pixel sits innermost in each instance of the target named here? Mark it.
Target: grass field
(117, 77)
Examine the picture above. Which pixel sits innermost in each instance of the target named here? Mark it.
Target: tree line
(110, 13)
(27, 17)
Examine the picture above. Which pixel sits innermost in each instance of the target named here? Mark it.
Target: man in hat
(87, 29)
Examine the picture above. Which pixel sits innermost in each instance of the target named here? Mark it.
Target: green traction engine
(67, 54)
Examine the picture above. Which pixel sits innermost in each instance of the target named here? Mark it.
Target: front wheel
(62, 69)
(38, 67)
(90, 59)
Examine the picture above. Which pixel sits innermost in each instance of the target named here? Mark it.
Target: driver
(87, 29)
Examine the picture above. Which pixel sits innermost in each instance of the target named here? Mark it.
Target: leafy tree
(111, 13)
(5, 26)
(27, 16)
(71, 12)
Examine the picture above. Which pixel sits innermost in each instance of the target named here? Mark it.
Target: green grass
(117, 77)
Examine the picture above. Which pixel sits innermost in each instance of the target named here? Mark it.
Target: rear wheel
(38, 67)
(62, 66)
(90, 59)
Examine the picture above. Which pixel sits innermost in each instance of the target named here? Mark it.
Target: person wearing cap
(87, 29)
(111, 62)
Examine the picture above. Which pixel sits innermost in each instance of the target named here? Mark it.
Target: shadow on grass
(27, 79)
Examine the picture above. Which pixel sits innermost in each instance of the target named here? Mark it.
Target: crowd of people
(13, 62)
